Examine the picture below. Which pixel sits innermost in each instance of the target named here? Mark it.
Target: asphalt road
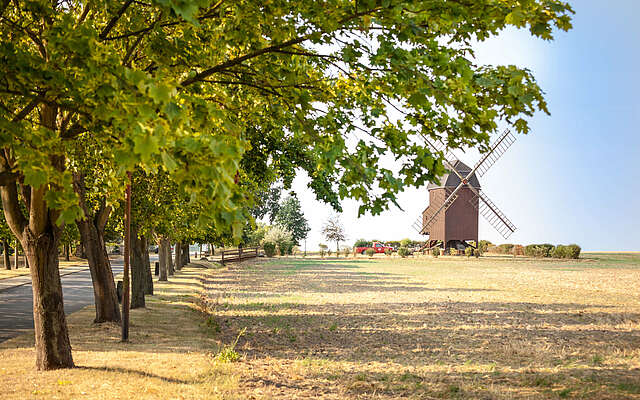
(16, 304)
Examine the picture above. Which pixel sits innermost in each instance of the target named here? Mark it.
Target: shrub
(517, 250)
(477, 253)
(483, 245)
(269, 248)
(573, 251)
(388, 252)
(560, 251)
(468, 251)
(362, 243)
(329, 252)
(405, 242)
(346, 250)
(505, 248)
(323, 249)
(370, 252)
(435, 252)
(403, 252)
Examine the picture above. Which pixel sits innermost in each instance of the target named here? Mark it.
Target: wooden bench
(239, 254)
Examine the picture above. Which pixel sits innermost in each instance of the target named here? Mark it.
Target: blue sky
(576, 177)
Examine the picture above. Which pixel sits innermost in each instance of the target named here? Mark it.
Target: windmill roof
(451, 180)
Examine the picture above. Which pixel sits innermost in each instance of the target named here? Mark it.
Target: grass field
(432, 328)
(291, 328)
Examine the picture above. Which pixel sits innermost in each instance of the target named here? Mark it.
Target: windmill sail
(498, 148)
(492, 214)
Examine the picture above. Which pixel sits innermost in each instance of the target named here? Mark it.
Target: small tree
(435, 252)
(403, 252)
(333, 231)
(323, 249)
(281, 237)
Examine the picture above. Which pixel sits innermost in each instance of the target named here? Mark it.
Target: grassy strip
(170, 353)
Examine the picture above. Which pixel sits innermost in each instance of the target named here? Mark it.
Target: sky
(575, 178)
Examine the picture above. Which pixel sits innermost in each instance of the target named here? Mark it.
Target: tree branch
(112, 22)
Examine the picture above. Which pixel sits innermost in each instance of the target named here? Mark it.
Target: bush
(362, 243)
(468, 251)
(403, 252)
(388, 252)
(346, 250)
(517, 250)
(483, 245)
(370, 252)
(435, 252)
(560, 251)
(477, 253)
(570, 251)
(573, 251)
(504, 248)
(328, 252)
(323, 249)
(405, 242)
(269, 248)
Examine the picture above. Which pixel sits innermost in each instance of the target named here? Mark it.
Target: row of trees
(208, 103)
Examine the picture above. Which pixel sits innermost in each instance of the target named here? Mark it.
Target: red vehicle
(376, 246)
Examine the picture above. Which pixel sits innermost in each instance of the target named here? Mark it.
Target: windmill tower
(451, 219)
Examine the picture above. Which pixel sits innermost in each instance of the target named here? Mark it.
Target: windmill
(451, 219)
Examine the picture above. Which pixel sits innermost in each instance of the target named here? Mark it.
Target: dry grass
(433, 328)
(22, 270)
(169, 354)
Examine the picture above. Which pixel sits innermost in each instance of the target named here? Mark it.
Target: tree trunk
(80, 250)
(53, 349)
(67, 252)
(16, 256)
(148, 277)
(170, 266)
(104, 288)
(184, 254)
(138, 278)
(164, 256)
(5, 250)
(91, 230)
(178, 257)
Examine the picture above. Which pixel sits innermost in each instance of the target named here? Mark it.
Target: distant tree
(333, 231)
(290, 216)
(323, 249)
(268, 203)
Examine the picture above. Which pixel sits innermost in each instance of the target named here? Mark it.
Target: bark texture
(178, 261)
(184, 254)
(163, 258)
(5, 252)
(138, 278)
(148, 276)
(170, 265)
(92, 241)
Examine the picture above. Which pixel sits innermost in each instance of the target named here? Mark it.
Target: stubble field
(495, 328)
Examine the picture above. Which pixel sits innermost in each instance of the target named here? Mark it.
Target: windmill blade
(432, 216)
(492, 214)
(498, 148)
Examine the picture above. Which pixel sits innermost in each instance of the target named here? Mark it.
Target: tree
(169, 86)
(281, 237)
(291, 217)
(333, 231)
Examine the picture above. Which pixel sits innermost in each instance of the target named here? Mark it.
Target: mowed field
(452, 327)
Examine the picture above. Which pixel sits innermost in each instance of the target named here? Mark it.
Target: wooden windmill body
(459, 222)
(456, 202)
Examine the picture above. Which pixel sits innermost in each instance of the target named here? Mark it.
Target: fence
(239, 254)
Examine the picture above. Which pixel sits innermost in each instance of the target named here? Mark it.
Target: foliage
(267, 203)
(362, 243)
(570, 251)
(323, 249)
(504, 248)
(477, 253)
(403, 251)
(435, 252)
(483, 245)
(517, 250)
(333, 230)
(290, 216)
(269, 248)
(539, 250)
(280, 237)
(388, 252)
(468, 251)
(256, 236)
(370, 252)
(346, 250)
(405, 242)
